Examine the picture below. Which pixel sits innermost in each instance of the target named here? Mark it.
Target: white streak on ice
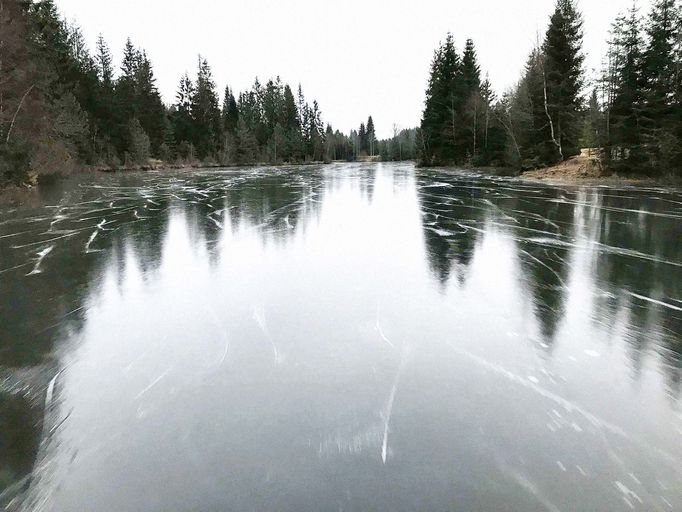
(571, 407)
(50, 390)
(654, 301)
(259, 317)
(90, 240)
(383, 336)
(156, 381)
(41, 256)
(627, 493)
(389, 406)
(531, 488)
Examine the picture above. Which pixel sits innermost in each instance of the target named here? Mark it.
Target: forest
(630, 113)
(64, 107)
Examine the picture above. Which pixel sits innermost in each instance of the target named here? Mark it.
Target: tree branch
(14, 118)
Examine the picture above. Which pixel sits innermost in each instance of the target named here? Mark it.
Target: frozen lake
(348, 337)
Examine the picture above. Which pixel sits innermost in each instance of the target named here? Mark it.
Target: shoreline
(586, 169)
(582, 170)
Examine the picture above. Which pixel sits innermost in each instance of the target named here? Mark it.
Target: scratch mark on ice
(654, 301)
(156, 381)
(259, 317)
(383, 336)
(41, 256)
(389, 406)
(569, 406)
(90, 240)
(531, 488)
(50, 390)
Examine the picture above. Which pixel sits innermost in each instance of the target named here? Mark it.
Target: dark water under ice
(349, 337)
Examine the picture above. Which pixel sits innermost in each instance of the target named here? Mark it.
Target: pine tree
(151, 110)
(471, 80)
(445, 98)
(291, 124)
(181, 117)
(487, 99)
(564, 77)
(289, 116)
(21, 102)
(471, 71)
(362, 139)
(125, 100)
(371, 137)
(593, 134)
(230, 112)
(660, 70)
(625, 147)
(205, 112)
(104, 63)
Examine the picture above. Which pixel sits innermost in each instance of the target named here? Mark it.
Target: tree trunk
(475, 128)
(510, 129)
(557, 143)
(14, 118)
(487, 125)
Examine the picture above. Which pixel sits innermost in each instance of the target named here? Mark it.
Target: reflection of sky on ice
(348, 337)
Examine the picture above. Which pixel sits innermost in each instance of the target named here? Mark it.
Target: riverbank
(159, 165)
(587, 169)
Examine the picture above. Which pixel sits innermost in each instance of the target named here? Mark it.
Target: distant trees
(371, 137)
(401, 147)
(61, 106)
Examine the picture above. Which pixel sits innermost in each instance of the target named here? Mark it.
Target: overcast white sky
(356, 57)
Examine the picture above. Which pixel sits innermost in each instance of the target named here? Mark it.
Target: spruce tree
(371, 137)
(290, 123)
(564, 77)
(181, 117)
(289, 115)
(471, 71)
(445, 98)
(660, 72)
(206, 115)
(487, 99)
(230, 112)
(104, 63)
(125, 101)
(625, 149)
(471, 87)
(362, 139)
(151, 110)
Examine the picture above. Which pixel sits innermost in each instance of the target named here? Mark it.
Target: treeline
(631, 114)
(398, 148)
(62, 106)
(635, 111)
